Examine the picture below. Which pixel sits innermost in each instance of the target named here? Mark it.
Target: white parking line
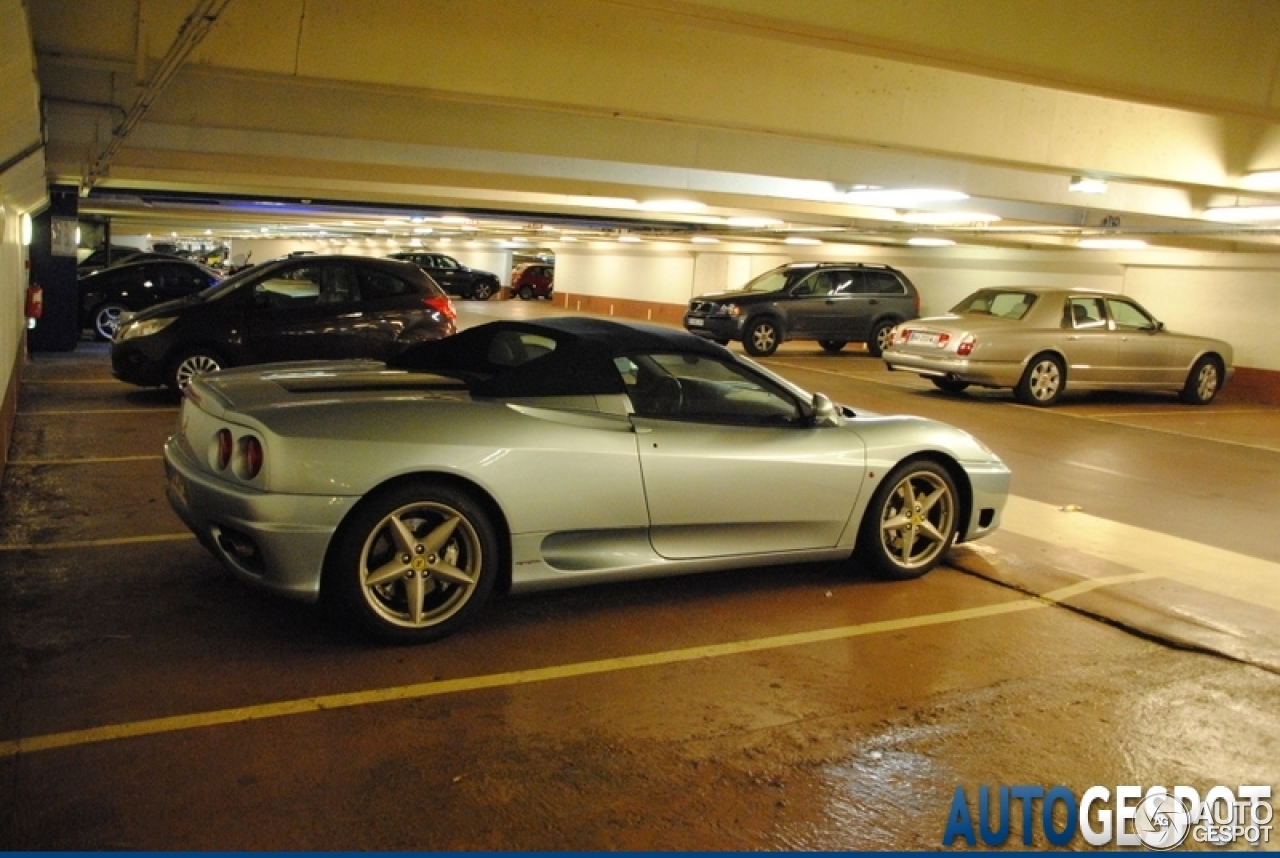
(1239, 576)
(97, 460)
(77, 411)
(98, 543)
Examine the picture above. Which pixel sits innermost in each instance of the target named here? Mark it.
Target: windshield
(1006, 303)
(770, 281)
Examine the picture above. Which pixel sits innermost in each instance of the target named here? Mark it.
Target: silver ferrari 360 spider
(525, 455)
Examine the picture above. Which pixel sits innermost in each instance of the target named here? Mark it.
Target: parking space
(153, 703)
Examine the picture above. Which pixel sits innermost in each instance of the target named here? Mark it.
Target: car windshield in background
(770, 281)
(990, 302)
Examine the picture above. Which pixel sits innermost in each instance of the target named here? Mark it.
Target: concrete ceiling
(668, 117)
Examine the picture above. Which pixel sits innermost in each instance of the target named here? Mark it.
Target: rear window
(1010, 304)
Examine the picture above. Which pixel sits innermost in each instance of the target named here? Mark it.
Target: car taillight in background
(244, 456)
(251, 459)
(223, 442)
(966, 346)
(443, 306)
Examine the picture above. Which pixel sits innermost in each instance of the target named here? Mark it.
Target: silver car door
(731, 467)
(1145, 355)
(1089, 346)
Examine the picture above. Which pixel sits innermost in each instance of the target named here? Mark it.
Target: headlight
(128, 330)
(730, 310)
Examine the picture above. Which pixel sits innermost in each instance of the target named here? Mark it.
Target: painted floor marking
(96, 460)
(306, 705)
(72, 412)
(1227, 573)
(98, 543)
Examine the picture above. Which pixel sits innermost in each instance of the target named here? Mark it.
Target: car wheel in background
(950, 385)
(878, 341)
(911, 522)
(1203, 382)
(106, 319)
(1043, 381)
(414, 563)
(832, 346)
(192, 363)
(482, 291)
(526, 293)
(761, 338)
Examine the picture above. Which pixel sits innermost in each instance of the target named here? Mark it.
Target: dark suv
(831, 302)
(454, 277)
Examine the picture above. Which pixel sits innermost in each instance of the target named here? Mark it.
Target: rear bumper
(982, 373)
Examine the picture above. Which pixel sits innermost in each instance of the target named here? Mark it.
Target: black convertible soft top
(582, 361)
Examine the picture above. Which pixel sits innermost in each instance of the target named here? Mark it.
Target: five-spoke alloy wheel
(912, 520)
(106, 319)
(414, 563)
(761, 338)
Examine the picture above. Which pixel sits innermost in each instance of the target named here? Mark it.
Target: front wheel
(525, 293)
(413, 564)
(1203, 382)
(879, 339)
(911, 522)
(761, 338)
(1043, 381)
(832, 346)
(191, 364)
(106, 319)
(482, 291)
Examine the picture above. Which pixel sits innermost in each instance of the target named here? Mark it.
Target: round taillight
(252, 457)
(224, 447)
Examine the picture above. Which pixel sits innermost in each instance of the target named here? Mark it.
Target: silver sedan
(1041, 341)
(526, 455)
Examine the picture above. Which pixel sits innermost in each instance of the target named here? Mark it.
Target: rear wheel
(1043, 381)
(1203, 382)
(878, 341)
(106, 319)
(526, 292)
(832, 346)
(911, 522)
(482, 291)
(761, 338)
(193, 363)
(413, 564)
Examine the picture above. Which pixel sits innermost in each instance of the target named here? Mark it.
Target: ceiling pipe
(193, 30)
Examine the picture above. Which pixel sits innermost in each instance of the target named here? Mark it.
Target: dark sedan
(107, 294)
(300, 308)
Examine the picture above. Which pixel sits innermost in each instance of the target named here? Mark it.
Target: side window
(292, 287)
(881, 283)
(817, 283)
(378, 285)
(512, 348)
(1084, 313)
(704, 389)
(1129, 317)
(443, 262)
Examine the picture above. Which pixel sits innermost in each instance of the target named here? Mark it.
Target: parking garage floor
(1121, 628)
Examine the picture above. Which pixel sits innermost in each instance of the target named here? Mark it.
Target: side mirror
(824, 411)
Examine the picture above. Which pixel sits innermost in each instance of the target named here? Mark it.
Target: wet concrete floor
(1121, 629)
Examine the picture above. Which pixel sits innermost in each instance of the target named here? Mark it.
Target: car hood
(739, 297)
(167, 308)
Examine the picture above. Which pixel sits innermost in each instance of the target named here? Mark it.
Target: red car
(535, 280)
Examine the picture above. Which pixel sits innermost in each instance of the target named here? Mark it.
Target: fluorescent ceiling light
(628, 239)
(899, 197)
(1112, 243)
(1263, 180)
(758, 222)
(602, 202)
(704, 239)
(673, 206)
(1086, 185)
(1243, 214)
(925, 241)
(796, 239)
(949, 218)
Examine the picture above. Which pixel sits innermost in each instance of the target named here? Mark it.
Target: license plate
(922, 338)
(695, 323)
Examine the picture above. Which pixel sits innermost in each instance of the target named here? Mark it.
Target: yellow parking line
(71, 381)
(98, 460)
(111, 732)
(98, 543)
(77, 411)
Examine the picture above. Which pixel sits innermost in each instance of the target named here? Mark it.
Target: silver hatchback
(1039, 341)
